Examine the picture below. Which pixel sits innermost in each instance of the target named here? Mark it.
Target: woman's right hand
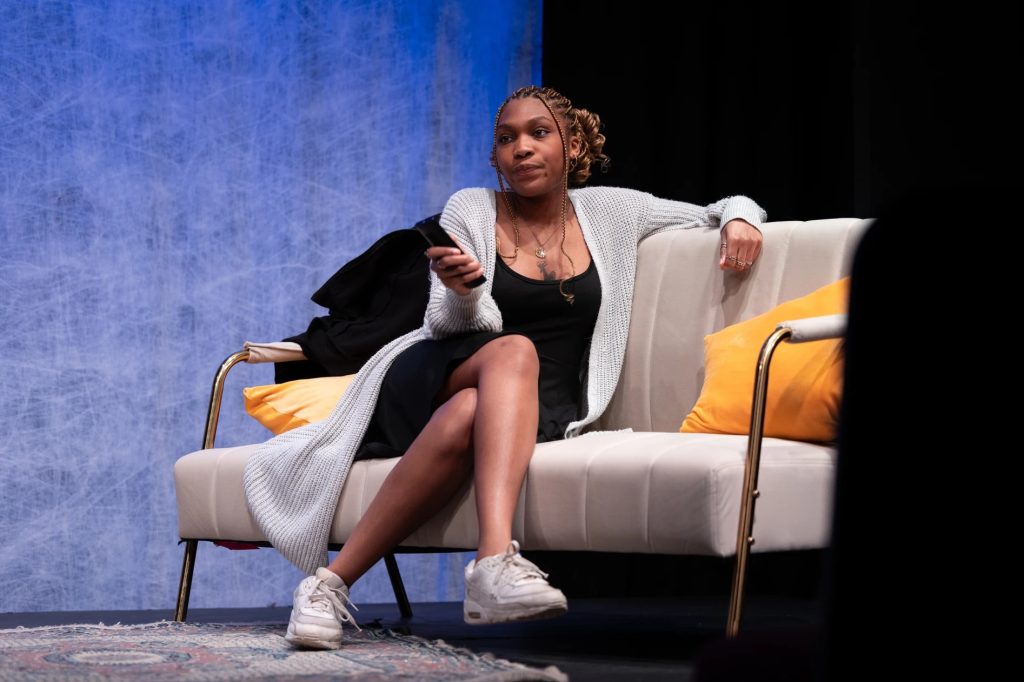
(453, 267)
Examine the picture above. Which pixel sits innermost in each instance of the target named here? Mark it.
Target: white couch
(652, 490)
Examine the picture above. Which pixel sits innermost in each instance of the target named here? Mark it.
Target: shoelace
(326, 599)
(516, 569)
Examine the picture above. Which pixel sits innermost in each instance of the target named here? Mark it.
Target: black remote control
(436, 236)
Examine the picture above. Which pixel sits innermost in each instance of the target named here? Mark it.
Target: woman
(494, 370)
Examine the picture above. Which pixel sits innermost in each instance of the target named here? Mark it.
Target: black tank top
(560, 331)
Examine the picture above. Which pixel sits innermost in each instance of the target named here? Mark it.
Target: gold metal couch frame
(192, 544)
(799, 331)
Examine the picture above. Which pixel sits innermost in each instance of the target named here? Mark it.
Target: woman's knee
(514, 353)
(455, 420)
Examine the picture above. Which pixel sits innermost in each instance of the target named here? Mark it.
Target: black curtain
(823, 110)
(816, 110)
(900, 111)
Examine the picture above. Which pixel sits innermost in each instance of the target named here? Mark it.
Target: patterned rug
(167, 650)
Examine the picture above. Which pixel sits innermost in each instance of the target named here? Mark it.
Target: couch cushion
(669, 493)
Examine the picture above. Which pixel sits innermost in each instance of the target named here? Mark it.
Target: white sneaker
(318, 611)
(507, 587)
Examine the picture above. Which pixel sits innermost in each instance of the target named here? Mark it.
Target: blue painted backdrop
(177, 178)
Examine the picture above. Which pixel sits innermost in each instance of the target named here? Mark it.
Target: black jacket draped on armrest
(373, 299)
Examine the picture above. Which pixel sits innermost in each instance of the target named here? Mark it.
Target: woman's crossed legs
(486, 424)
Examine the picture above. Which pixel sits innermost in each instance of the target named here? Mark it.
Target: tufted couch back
(681, 296)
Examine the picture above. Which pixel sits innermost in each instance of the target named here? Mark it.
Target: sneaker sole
(473, 614)
(311, 642)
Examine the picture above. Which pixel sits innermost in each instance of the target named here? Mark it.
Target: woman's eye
(539, 132)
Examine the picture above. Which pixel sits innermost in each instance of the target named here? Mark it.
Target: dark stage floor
(600, 639)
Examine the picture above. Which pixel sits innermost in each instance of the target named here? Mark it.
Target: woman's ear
(574, 146)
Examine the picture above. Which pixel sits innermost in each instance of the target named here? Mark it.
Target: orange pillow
(804, 384)
(283, 407)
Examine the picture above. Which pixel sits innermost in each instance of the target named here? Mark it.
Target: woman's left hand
(741, 246)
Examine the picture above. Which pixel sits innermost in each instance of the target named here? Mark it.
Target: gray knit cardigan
(293, 481)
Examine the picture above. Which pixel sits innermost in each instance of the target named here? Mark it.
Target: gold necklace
(569, 296)
(541, 251)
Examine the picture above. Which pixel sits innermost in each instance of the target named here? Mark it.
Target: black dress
(530, 307)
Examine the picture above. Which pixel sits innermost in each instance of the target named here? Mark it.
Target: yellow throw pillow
(283, 407)
(804, 384)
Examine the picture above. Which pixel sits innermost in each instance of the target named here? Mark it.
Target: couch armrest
(279, 351)
(815, 328)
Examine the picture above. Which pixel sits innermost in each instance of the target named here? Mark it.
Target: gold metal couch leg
(793, 331)
(185, 585)
(209, 435)
(745, 533)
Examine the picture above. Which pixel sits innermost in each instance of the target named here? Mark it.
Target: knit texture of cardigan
(293, 481)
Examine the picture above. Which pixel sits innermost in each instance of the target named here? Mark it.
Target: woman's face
(528, 149)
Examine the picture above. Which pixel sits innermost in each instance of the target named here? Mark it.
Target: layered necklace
(540, 252)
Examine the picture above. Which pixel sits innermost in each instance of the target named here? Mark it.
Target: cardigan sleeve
(448, 313)
(660, 214)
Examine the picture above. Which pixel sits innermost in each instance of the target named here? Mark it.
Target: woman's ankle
(345, 575)
(492, 549)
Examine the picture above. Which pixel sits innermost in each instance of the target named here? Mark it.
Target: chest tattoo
(548, 275)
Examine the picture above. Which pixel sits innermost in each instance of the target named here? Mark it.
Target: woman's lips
(526, 170)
